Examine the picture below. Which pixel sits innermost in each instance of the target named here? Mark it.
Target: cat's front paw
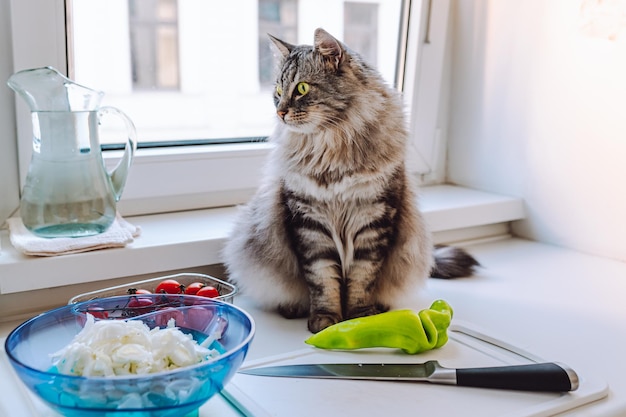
(363, 311)
(319, 322)
(293, 311)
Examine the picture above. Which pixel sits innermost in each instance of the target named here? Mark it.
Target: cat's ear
(281, 47)
(329, 47)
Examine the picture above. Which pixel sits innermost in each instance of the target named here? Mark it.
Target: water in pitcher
(67, 198)
(91, 218)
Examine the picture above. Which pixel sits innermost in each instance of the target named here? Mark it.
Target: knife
(550, 376)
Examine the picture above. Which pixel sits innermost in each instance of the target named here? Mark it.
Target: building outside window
(153, 28)
(278, 18)
(360, 29)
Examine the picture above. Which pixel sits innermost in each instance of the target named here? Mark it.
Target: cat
(334, 231)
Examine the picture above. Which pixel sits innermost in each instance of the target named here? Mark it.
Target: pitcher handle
(119, 174)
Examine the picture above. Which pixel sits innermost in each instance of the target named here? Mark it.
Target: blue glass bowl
(172, 393)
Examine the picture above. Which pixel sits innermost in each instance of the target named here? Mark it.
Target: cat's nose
(281, 114)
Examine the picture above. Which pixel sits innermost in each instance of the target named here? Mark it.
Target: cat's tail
(452, 262)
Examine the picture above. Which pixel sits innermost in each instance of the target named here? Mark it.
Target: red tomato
(137, 291)
(169, 286)
(140, 305)
(135, 302)
(193, 288)
(98, 312)
(208, 291)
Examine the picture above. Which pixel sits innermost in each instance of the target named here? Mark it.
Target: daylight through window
(203, 71)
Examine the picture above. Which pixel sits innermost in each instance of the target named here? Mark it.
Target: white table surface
(558, 304)
(555, 303)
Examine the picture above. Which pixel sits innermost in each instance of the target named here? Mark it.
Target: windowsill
(191, 239)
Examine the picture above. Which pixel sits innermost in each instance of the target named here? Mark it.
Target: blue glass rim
(72, 307)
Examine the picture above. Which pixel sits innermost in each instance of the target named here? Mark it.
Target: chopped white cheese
(120, 347)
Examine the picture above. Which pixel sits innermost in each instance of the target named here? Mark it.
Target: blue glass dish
(173, 393)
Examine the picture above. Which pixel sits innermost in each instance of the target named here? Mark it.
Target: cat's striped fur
(334, 231)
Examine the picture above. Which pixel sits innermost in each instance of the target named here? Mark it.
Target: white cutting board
(288, 397)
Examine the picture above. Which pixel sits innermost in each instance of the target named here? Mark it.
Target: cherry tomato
(98, 312)
(208, 291)
(137, 291)
(140, 305)
(169, 286)
(135, 302)
(193, 288)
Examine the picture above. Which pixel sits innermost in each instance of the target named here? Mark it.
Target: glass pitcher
(68, 192)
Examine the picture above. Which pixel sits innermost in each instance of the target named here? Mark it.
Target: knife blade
(548, 376)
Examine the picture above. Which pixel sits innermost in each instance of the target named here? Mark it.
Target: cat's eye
(303, 88)
(279, 90)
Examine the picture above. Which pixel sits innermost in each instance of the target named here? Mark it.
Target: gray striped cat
(334, 231)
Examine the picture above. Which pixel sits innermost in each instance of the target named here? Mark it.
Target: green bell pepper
(402, 329)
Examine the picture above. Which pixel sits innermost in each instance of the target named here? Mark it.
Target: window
(203, 109)
(200, 71)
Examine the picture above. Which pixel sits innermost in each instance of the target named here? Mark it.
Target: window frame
(184, 178)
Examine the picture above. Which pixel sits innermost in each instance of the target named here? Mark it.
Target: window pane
(203, 70)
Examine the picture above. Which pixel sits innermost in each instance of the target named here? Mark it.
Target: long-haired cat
(334, 231)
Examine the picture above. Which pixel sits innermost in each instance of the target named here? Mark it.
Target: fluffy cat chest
(343, 208)
(341, 224)
(343, 220)
(343, 228)
(342, 193)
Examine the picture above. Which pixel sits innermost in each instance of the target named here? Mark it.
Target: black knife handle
(533, 377)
